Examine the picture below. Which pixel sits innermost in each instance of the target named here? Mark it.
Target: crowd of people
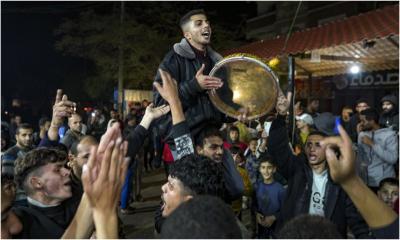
(334, 177)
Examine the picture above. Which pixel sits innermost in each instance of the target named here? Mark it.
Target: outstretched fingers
(106, 160)
(163, 109)
(58, 96)
(111, 134)
(114, 161)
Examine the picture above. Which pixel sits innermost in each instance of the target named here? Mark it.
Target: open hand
(157, 112)
(169, 88)
(341, 166)
(206, 82)
(103, 176)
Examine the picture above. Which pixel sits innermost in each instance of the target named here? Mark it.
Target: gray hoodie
(377, 162)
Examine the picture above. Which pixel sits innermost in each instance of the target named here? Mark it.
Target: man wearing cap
(390, 114)
(304, 124)
(310, 187)
(377, 149)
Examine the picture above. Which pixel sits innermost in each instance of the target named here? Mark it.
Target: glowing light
(273, 62)
(236, 95)
(355, 69)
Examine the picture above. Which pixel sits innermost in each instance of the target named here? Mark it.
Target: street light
(354, 69)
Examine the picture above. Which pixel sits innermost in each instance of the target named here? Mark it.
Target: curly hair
(202, 217)
(199, 175)
(33, 160)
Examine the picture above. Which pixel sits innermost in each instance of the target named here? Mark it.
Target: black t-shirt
(50, 222)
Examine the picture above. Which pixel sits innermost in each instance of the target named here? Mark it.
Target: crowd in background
(332, 177)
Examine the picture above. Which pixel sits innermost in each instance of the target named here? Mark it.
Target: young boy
(233, 139)
(389, 191)
(269, 198)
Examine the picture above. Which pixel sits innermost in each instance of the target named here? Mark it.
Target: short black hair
(199, 175)
(362, 100)
(266, 157)
(233, 128)
(235, 149)
(23, 126)
(186, 17)
(370, 114)
(209, 130)
(203, 217)
(390, 181)
(253, 139)
(304, 226)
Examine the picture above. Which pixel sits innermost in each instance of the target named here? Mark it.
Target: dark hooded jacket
(391, 118)
(338, 207)
(182, 62)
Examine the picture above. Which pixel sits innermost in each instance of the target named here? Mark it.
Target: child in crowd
(389, 191)
(233, 139)
(269, 198)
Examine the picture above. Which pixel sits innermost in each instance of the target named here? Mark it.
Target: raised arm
(278, 140)
(180, 129)
(62, 108)
(342, 170)
(137, 137)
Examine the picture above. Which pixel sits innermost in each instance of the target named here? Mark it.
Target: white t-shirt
(318, 193)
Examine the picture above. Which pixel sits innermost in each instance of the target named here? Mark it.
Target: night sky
(31, 68)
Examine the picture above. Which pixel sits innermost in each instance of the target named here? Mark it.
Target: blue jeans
(127, 187)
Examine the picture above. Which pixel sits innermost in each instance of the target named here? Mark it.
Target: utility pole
(121, 62)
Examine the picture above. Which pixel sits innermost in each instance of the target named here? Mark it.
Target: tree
(149, 30)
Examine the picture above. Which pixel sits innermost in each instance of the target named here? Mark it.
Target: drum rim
(212, 93)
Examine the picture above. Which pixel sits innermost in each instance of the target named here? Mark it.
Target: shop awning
(370, 38)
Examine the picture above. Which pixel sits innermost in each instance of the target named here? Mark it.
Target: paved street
(141, 223)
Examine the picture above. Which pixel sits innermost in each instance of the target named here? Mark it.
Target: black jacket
(390, 119)
(338, 206)
(181, 62)
(234, 186)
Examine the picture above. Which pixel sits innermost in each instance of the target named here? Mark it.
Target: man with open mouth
(311, 189)
(189, 62)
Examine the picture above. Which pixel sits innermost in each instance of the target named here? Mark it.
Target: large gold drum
(249, 86)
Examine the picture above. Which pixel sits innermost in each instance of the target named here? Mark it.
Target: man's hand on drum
(207, 82)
